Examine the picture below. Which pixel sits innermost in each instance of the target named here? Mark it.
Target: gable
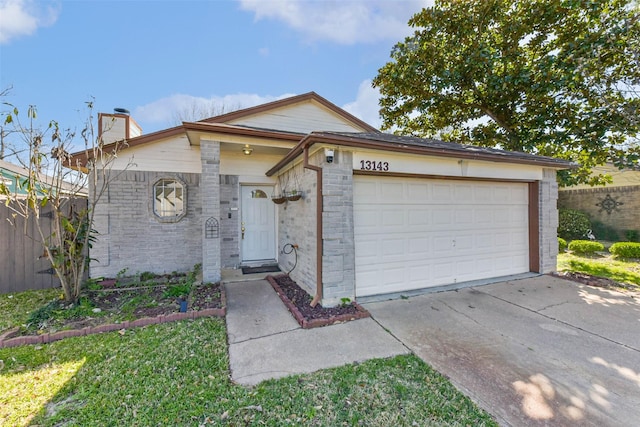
(304, 117)
(299, 114)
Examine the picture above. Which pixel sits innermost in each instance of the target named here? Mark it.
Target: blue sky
(157, 58)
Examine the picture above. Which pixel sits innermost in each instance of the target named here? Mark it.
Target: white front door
(258, 226)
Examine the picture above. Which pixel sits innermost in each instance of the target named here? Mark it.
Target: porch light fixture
(247, 149)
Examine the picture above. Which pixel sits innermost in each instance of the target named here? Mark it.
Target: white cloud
(366, 107)
(344, 22)
(167, 111)
(24, 17)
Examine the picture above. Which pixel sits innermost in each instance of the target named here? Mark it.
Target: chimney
(117, 126)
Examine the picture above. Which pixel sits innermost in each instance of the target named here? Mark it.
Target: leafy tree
(555, 77)
(51, 185)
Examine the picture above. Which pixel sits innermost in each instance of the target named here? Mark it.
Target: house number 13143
(372, 165)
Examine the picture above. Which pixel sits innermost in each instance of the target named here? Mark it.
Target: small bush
(179, 290)
(625, 249)
(562, 245)
(585, 247)
(147, 275)
(632, 235)
(38, 319)
(573, 224)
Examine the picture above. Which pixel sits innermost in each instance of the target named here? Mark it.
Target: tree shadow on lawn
(178, 374)
(129, 375)
(602, 270)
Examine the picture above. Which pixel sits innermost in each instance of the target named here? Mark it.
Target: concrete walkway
(266, 342)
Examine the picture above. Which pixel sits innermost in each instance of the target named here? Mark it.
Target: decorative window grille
(211, 228)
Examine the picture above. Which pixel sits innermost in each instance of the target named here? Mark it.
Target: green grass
(177, 374)
(15, 308)
(606, 266)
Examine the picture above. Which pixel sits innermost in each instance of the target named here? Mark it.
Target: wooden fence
(22, 264)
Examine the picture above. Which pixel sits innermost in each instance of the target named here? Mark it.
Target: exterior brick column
(338, 258)
(548, 199)
(210, 183)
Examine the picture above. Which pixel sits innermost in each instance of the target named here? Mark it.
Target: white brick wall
(548, 198)
(338, 261)
(210, 183)
(297, 225)
(130, 237)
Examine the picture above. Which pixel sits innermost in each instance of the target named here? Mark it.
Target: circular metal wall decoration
(609, 204)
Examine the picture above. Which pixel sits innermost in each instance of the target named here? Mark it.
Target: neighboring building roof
(424, 146)
(11, 170)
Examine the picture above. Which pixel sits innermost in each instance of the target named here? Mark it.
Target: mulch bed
(298, 302)
(124, 308)
(600, 282)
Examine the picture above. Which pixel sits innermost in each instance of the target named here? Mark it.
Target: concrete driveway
(539, 351)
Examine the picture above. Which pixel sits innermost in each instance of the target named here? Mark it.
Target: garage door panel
(442, 192)
(416, 233)
(390, 218)
(463, 217)
(418, 217)
(463, 192)
(483, 194)
(442, 216)
(418, 191)
(464, 243)
(391, 192)
(420, 247)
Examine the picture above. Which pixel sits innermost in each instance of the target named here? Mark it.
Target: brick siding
(210, 156)
(624, 216)
(131, 237)
(548, 227)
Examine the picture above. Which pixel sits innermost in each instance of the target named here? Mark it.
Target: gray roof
(450, 148)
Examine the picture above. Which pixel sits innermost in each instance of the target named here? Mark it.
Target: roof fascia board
(355, 142)
(218, 128)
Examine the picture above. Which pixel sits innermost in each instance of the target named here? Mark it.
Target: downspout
(319, 209)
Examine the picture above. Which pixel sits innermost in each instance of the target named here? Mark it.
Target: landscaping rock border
(9, 338)
(316, 323)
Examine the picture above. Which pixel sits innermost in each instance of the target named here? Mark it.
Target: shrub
(626, 249)
(39, 318)
(632, 235)
(604, 232)
(562, 245)
(573, 224)
(180, 290)
(585, 247)
(147, 275)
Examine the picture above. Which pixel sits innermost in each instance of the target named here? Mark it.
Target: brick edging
(316, 323)
(9, 338)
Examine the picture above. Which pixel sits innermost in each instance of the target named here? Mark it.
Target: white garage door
(418, 233)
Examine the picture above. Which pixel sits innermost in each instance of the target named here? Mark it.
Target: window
(169, 199)
(258, 194)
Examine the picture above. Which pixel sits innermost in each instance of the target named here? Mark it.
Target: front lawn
(622, 271)
(177, 374)
(15, 308)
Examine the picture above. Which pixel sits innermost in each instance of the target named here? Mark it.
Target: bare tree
(53, 179)
(197, 111)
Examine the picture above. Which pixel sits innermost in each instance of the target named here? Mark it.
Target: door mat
(261, 269)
